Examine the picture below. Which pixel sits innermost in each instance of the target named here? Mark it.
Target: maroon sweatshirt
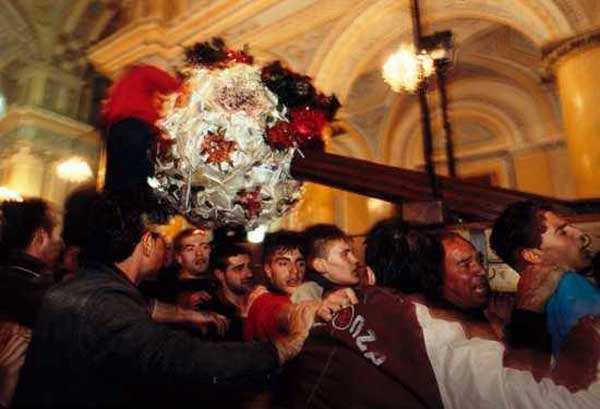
(371, 355)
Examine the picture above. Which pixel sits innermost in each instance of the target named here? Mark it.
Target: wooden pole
(475, 202)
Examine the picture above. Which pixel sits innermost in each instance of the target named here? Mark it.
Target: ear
(269, 272)
(147, 244)
(219, 274)
(40, 237)
(531, 256)
(320, 265)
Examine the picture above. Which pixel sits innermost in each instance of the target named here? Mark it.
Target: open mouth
(481, 288)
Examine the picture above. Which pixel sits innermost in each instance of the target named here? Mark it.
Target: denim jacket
(95, 342)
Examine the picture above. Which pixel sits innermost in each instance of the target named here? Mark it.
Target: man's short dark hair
(220, 254)
(319, 236)
(520, 226)
(282, 240)
(20, 220)
(78, 210)
(120, 220)
(405, 257)
(182, 235)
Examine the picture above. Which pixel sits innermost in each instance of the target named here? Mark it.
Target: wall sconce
(74, 170)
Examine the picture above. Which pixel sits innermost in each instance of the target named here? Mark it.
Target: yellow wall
(534, 173)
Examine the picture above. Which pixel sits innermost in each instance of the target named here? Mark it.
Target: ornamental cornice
(155, 38)
(555, 52)
(28, 116)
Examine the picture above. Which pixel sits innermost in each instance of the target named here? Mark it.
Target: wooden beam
(397, 185)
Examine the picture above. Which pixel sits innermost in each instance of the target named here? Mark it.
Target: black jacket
(23, 282)
(95, 344)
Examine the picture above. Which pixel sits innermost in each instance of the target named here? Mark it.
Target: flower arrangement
(230, 133)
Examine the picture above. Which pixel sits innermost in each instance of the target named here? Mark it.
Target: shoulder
(308, 291)
(267, 305)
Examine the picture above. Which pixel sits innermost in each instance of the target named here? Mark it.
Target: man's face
(285, 269)
(238, 277)
(340, 264)
(194, 254)
(465, 280)
(564, 244)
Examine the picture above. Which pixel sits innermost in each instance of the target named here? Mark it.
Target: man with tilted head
(427, 336)
(95, 343)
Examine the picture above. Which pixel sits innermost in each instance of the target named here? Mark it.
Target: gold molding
(19, 116)
(555, 52)
(154, 38)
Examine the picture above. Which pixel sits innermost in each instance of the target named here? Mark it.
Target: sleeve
(470, 374)
(264, 317)
(574, 298)
(121, 338)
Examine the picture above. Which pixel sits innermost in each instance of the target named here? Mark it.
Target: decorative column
(575, 64)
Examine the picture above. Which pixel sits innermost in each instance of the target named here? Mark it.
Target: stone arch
(505, 110)
(349, 47)
(351, 143)
(406, 151)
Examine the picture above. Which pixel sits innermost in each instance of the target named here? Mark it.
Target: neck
(536, 285)
(238, 300)
(130, 268)
(185, 275)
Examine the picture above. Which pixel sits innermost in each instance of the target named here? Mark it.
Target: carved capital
(554, 52)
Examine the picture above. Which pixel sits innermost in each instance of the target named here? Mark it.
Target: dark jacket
(23, 282)
(371, 355)
(95, 344)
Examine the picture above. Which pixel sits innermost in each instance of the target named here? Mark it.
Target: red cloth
(134, 94)
(263, 317)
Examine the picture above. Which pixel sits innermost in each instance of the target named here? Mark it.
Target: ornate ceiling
(500, 100)
(54, 31)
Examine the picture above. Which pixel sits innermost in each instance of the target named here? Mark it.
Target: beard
(243, 288)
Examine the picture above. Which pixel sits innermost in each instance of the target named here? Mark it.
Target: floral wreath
(230, 133)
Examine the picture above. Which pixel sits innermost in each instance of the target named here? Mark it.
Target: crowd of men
(124, 316)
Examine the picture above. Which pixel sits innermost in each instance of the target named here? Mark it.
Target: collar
(26, 264)
(121, 274)
(320, 280)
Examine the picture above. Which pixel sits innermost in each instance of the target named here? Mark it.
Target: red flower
(217, 149)
(281, 136)
(238, 56)
(307, 123)
(250, 202)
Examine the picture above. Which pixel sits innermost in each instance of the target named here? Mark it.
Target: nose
(479, 270)
(294, 271)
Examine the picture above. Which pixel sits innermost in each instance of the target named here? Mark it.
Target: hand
(300, 319)
(191, 300)
(335, 301)
(203, 320)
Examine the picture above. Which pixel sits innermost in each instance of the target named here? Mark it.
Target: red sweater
(263, 317)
